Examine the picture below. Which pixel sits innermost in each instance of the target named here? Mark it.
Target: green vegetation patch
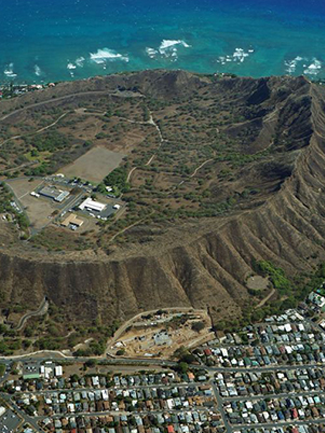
(118, 179)
(277, 276)
(48, 142)
(292, 291)
(6, 197)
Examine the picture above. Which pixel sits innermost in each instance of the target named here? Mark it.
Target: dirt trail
(130, 226)
(267, 298)
(52, 124)
(130, 174)
(162, 140)
(201, 166)
(16, 137)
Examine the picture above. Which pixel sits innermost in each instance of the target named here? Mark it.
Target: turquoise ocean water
(42, 40)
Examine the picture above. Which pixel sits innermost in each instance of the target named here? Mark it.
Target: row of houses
(132, 399)
(183, 422)
(260, 356)
(301, 428)
(250, 383)
(51, 377)
(290, 408)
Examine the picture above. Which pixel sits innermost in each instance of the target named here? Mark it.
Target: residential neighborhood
(267, 377)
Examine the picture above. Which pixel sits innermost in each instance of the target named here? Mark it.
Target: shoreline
(51, 84)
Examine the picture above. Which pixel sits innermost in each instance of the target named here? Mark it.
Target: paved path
(220, 407)
(39, 312)
(72, 95)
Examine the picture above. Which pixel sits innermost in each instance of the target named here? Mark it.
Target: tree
(198, 326)
(182, 367)
(2, 369)
(90, 363)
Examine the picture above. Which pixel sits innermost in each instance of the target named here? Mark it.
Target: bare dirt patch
(256, 282)
(94, 165)
(37, 209)
(40, 210)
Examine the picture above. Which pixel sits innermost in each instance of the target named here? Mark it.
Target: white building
(58, 371)
(317, 299)
(92, 205)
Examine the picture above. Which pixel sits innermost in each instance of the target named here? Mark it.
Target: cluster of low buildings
(49, 376)
(11, 90)
(58, 189)
(34, 372)
(271, 343)
(267, 378)
(270, 377)
(182, 422)
(140, 403)
(161, 398)
(301, 428)
(276, 409)
(250, 383)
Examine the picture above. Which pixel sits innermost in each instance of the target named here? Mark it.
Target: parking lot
(9, 422)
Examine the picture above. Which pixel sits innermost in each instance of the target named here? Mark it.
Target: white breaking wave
(166, 44)
(80, 62)
(314, 68)
(291, 65)
(238, 56)
(168, 49)
(38, 70)
(9, 71)
(152, 53)
(105, 54)
(71, 66)
(309, 66)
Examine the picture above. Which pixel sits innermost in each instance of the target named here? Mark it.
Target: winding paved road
(39, 312)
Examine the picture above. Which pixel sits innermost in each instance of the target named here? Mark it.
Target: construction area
(159, 334)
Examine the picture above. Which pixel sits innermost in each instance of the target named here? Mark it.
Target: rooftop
(54, 193)
(72, 219)
(93, 205)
